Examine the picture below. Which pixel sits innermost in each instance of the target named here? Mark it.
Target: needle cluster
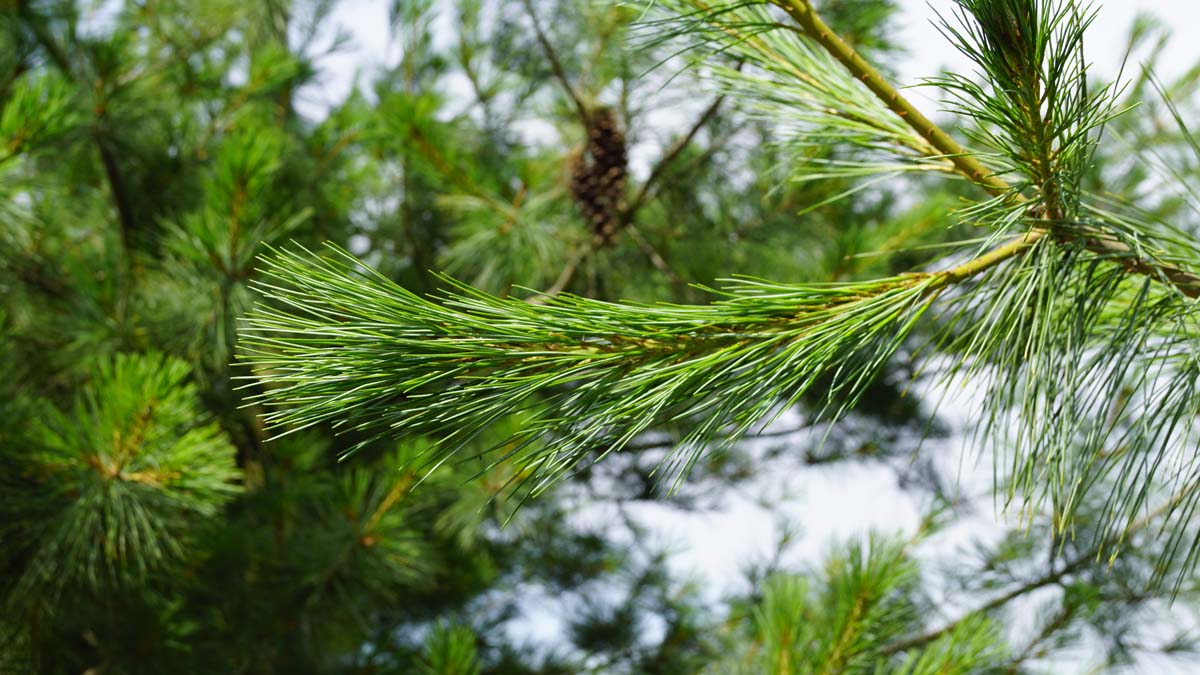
(1076, 314)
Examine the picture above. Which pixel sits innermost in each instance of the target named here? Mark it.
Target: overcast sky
(928, 52)
(1105, 45)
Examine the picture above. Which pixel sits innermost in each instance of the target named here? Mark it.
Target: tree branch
(112, 170)
(556, 64)
(120, 193)
(816, 29)
(965, 163)
(1033, 649)
(654, 256)
(999, 601)
(668, 157)
(1049, 578)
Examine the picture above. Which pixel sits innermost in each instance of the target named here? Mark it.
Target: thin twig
(652, 253)
(668, 157)
(1049, 578)
(1033, 649)
(556, 64)
(564, 277)
(1028, 587)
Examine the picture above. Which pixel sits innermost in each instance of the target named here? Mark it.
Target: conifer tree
(1072, 307)
(1066, 280)
(431, 441)
(149, 153)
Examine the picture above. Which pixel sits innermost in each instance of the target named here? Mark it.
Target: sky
(832, 503)
(929, 52)
(1106, 37)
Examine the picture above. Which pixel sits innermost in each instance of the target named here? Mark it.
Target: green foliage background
(149, 524)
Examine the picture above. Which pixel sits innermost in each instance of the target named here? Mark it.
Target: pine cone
(598, 179)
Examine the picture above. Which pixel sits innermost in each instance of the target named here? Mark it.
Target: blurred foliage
(151, 150)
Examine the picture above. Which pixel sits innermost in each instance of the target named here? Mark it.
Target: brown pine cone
(598, 179)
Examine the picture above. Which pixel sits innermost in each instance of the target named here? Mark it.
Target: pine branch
(625, 349)
(112, 170)
(816, 29)
(584, 373)
(57, 54)
(1186, 282)
(1050, 578)
(347, 347)
(124, 481)
(556, 66)
(120, 192)
(833, 111)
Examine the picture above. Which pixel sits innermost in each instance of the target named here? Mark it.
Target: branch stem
(1052, 577)
(1185, 282)
(995, 256)
(966, 163)
(556, 64)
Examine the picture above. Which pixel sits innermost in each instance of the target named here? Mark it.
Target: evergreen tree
(150, 154)
(431, 440)
(1073, 307)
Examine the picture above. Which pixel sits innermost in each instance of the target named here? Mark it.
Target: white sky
(928, 52)
(1105, 45)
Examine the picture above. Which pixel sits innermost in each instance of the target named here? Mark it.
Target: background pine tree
(152, 151)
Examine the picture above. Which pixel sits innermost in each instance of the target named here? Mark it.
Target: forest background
(151, 151)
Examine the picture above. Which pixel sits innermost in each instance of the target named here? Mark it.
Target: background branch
(112, 170)
(1053, 577)
(556, 65)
